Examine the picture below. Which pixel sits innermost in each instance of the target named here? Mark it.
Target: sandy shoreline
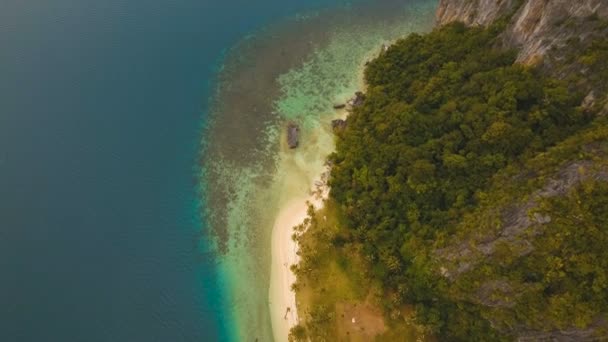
(283, 310)
(282, 300)
(305, 183)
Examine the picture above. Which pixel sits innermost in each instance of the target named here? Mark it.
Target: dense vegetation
(452, 134)
(444, 112)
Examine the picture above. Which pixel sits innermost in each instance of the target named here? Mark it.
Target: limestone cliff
(554, 35)
(536, 25)
(472, 12)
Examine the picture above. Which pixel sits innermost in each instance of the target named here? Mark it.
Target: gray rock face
(589, 334)
(536, 27)
(542, 32)
(472, 12)
(293, 135)
(518, 226)
(588, 101)
(540, 25)
(519, 223)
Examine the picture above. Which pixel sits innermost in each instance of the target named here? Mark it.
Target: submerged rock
(293, 135)
(339, 106)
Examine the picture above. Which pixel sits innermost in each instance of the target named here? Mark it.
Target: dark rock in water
(338, 125)
(339, 106)
(357, 100)
(293, 135)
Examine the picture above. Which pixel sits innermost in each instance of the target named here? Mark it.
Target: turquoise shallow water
(291, 71)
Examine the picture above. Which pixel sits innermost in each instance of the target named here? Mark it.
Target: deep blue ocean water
(101, 104)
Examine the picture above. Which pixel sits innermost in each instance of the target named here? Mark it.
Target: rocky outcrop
(551, 34)
(517, 227)
(536, 25)
(338, 125)
(540, 25)
(357, 100)
(472, 12)
(590, 334)
(293, 135)
(519, 223)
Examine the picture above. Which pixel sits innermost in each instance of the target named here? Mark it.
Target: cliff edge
(536, 26)
(555, 36)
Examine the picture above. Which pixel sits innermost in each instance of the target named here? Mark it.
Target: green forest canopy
(444, 113)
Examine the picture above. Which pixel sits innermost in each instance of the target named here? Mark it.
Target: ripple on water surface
(293, 71)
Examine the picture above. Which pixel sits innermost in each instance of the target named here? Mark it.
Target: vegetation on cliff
(470, 187)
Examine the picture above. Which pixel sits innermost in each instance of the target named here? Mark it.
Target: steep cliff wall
(472, 12)
(555, 35)
(536, 26)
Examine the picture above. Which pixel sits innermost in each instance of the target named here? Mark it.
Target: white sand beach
(303, 168)
(283, 309)
(303, 183)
